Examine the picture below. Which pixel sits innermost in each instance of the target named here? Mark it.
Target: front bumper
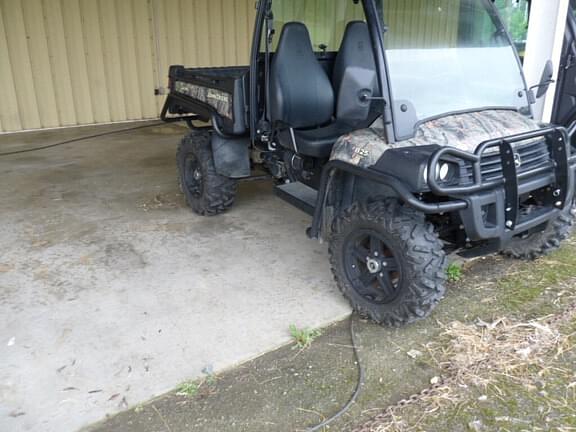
(494, 205)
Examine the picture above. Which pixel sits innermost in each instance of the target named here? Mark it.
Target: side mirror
(545, 82)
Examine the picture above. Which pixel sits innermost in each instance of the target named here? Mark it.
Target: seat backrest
(301, 94)
(354, 72)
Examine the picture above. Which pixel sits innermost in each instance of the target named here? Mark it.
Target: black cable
(74, 140)
(359, 385)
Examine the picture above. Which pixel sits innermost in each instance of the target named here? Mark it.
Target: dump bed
(217, 94)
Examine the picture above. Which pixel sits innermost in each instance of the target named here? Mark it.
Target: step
(299, 195)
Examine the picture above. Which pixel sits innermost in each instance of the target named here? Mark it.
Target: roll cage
(394, 130)
(376, 36)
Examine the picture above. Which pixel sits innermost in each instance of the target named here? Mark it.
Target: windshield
(447, 56)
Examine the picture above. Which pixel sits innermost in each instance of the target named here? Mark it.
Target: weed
(454, 272)
(188, 388)
(210, 379)
(303, 337)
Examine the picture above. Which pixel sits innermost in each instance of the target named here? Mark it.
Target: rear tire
(388, 262)
(542, 243)
(207, 192)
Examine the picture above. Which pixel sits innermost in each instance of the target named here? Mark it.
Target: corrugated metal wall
(73, 62)
(326, 19)
(435, 20)
(412, 23)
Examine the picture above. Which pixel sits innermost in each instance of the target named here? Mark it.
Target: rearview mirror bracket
(544, 85)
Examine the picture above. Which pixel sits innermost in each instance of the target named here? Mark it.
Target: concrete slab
(113, 292)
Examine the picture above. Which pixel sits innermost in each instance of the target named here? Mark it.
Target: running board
(479, 251)
(299, 195)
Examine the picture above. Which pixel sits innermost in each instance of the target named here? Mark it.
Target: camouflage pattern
(463, 131)
(220, 100)
(362, 147)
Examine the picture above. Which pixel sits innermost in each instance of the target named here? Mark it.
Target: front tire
(207, 192)
(388, 262)
(537, 244)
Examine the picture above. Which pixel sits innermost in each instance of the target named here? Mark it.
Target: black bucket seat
(355, 74)
(302, 97)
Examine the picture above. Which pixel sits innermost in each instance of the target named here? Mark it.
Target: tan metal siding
(143, 42)
(76, 54)
(19, 60)
(9, 116)
(59, 65)
(422, 24)
(326, 19)
(72, 62)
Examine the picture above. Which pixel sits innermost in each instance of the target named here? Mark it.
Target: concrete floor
(113, 292)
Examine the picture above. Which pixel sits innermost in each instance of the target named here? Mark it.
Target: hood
(463, 131)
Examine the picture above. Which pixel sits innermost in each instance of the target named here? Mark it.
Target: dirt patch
(5, 268)
(537, 394)
(163, 201)
(481, 357)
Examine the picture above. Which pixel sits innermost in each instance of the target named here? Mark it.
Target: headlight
(445, 172)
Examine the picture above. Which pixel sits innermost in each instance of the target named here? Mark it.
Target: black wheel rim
(192, 176)
(371, 267)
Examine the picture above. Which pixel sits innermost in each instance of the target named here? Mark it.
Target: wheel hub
(373, 265)
(193, 176)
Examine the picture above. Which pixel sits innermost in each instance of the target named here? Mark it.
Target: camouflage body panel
(362, 147)
(220, 100)
(463, 131)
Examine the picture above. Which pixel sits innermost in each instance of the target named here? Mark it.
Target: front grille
(532, 155)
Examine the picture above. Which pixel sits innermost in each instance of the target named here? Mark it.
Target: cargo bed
(212, 94)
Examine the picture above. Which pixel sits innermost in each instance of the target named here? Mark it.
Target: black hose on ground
(74, 140)
(359, 385)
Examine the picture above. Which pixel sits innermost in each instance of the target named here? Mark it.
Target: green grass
(191, 388)
(303, 337)
(531, 279)
(454, 272)
(139, 409)
(188, 389)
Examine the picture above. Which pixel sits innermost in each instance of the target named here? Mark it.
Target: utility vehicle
(403, 127)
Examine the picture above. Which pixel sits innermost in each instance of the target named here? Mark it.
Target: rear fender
(231, 156)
